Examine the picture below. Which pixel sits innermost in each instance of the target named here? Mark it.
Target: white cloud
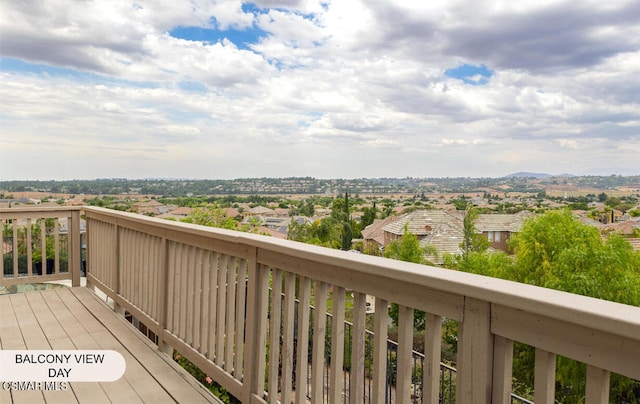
(334, 88)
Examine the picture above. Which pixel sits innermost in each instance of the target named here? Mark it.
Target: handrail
(583, 310)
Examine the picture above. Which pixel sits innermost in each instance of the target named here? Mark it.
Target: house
(441, 229)
(258, 211)
(421, 223)
(151, 207)
(444, 230)
(270, 232)
(627, 228)
(373, 235)
(182, 211)
(281, 212)
(233, 212)
(497, 229)
(277, 224)
(177, 213)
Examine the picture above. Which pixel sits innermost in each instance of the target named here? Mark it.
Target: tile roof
(626, 228)
(270, 232)
(422, 222)
(261, 210)
(635, 243)
(446, 238)
(375, 232)
(151, 204)
(232, 212)
(181, 211)
(502, 222)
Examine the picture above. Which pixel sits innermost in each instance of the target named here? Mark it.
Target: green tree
(556, 251)
(473, 241)
(369, 215)
(211, 216)
(406, 249)
(341, 215)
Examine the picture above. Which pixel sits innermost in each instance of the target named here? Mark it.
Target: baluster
(302, 356)
(43, 245)
(545, 377)
(274, 334)
(381, 322)
(30, 250)
(241, 295)
(222, 309)
(431, 367)
(230, 312)
(598, 381)
(502, 369)
(287, 340)
(337, 346)
(356, 393)
(319, 336)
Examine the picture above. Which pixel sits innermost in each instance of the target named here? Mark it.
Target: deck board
(76, 338)
(75, 318)
(41, 327)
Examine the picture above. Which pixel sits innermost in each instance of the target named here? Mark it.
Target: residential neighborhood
(436, 219)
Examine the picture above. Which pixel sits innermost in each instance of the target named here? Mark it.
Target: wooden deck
(75, 318)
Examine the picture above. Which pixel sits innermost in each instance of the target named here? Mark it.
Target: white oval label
(61, 365)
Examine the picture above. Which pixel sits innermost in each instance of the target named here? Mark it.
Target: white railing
(209, 294)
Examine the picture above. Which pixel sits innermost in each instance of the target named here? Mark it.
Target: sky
(328, 89)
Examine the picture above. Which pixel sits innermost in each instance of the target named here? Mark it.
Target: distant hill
(522, 174)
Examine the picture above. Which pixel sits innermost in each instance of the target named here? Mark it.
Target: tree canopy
(556, 251)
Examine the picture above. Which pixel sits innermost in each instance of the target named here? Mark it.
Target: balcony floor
(75, 318)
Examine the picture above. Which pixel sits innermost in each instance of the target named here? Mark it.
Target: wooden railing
(44, 245)
(209, 294)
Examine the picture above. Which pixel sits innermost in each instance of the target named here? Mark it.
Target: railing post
(2, 222)
(404, 355)
(116, 284)
(475, 353)
(163, 298)
(75, 259)
(257, 306)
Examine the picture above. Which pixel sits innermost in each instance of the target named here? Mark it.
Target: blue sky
(470, 74)
(327, 89)
(242, 39)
